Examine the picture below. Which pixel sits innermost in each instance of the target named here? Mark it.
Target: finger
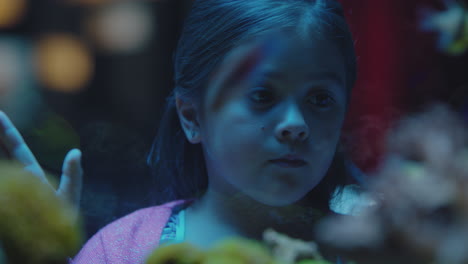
(72, 178)
(15, 147)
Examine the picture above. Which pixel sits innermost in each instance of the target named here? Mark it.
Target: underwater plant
(451, 25)
(241, 251)
(238, 250)
(36, 226)
(421, 194)
(230, 251)
(180, 253)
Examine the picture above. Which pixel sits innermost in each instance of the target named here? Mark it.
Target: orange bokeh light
(11, 12)
(63, 63)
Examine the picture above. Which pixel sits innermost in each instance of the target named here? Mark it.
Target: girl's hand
(15, 148)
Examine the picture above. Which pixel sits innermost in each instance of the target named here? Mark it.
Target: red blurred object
(390, 52)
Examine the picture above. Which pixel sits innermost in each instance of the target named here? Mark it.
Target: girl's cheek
(334, 133)
(233, 127)
(332, 129)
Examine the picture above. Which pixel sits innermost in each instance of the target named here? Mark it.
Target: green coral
(35, 225)
(229, 251)
(182, 253)
(239, 251)
(311, 261)
(460, 44)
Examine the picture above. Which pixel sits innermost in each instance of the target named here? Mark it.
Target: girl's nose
(294, 133)
(293, 127)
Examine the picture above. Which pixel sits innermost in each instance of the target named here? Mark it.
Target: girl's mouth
(285, 163)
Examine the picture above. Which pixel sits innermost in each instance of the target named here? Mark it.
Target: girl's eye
(322, 100)
(261, 95)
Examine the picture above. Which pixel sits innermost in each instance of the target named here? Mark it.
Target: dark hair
(212, 29)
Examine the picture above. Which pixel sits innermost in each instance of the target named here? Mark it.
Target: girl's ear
(188, 116)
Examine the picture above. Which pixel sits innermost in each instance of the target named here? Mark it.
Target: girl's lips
(286, 163)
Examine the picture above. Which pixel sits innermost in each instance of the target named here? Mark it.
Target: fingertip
(72, 163)
(77, 151)
(3, 117)
(74, 153)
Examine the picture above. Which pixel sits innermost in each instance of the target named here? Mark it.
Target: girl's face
(297, 108)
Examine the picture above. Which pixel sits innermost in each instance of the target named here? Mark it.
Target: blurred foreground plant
(421, 214)
(451, 25)
(36, 227)
(240, 251)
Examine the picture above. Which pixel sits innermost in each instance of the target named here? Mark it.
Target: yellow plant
(36, 227)
(239, 251)
(228, 251)
(182, 253)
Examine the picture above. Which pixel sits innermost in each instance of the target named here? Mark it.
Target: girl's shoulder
(128, 239)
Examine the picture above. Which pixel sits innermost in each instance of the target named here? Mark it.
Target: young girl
(250, 136)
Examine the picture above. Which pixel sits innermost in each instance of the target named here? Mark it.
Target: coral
(421, 194)
(309, 261)
(229, 251)
(240, 251)
(35, 225)
(287, 249)
(182, 253)
(451, 25)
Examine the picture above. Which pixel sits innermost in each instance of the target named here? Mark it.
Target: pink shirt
(128, 240)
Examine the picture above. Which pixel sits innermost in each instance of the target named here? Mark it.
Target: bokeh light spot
(121, 26)
(11, 12)
(10, 69)
(64, 63)
(19, 98)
